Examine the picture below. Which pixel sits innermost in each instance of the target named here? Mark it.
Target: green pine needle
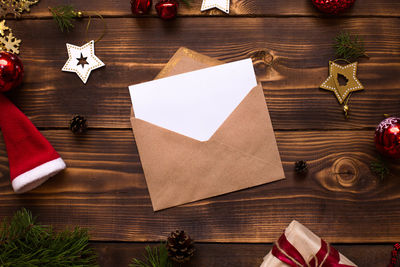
(23, 242)
(63, 15)
(349, 47)
(186, 2)
(155, 257)
(379, 168)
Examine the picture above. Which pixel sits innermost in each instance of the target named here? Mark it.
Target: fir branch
(379, 168)
(23, 242)
(155, 257)
(349, 47)
(64, 16)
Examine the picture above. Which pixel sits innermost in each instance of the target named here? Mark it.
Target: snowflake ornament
(15, 7)
(10, 43)
(3, 27)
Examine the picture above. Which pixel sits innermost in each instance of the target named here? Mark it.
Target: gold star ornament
(342, 90)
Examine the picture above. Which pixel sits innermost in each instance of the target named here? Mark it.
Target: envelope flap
(251, 120)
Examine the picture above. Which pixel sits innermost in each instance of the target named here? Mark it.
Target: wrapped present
(299, 247)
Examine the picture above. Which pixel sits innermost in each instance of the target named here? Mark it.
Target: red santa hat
(31, 157)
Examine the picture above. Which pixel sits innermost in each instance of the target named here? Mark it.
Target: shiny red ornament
(11, 71)
(333, 6)
(167, 9)
(140, 7)
(387, 137)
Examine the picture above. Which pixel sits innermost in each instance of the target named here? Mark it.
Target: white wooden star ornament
(222, 5)
(82, 60)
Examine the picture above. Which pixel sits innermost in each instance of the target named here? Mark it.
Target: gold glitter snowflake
(8, 42)
(3, 27)
(15, 7)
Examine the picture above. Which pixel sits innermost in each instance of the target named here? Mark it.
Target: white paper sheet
(194, 104)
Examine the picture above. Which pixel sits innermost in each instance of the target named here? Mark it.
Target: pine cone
(300, 167)
(180, 246)
(78, 124)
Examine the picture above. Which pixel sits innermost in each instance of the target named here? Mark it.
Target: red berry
(140, 6)
(167, 9)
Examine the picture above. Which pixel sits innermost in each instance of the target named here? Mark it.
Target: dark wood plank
(237, 7)
(104, 189)
(238, 255)
(135, 51)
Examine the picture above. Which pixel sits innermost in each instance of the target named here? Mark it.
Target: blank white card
(197, 103)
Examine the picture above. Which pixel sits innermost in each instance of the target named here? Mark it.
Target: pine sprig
(155, 257)
(64, 15)
(23, 242)
(380, 169)
(349, 47)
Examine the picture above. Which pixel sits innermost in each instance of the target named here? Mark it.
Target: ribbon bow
(327, 256)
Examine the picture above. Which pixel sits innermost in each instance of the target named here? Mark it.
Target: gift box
(299, 247)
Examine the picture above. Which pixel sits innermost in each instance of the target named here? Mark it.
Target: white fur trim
(36, 176)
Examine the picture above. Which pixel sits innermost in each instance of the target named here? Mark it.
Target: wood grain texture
(104, 189)
(297, 53)
(237, 8)
(237, 255)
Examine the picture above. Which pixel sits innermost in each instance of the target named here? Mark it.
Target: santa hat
(31, 158)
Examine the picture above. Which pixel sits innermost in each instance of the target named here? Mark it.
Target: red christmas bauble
(11, 71)
(167, 9)
(139, 7)
(387, 137)
(333, 6)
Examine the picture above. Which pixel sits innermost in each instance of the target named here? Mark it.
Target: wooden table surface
(104, 188)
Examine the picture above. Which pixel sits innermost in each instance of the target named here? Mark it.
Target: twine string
(88, 25)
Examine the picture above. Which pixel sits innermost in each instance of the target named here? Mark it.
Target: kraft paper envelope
(241, 153)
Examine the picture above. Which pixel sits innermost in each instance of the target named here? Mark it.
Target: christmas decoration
(342, 80)
(387, 137)
(15, 7)
(300, 167)
(64, 16)
(332, 82)
(333, 6)
(342, 90)
(7, 41)
(24, 242)
(11, 71)
(180, 246)
(82, 60)
(31, 157)
(299, 247)
(155, 257)
(167, 9)
(349, 47)
(222, 5)
(140, 7)
(394, 260)
(78, 124)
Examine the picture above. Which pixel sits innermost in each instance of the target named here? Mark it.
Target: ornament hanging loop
(88, 25)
